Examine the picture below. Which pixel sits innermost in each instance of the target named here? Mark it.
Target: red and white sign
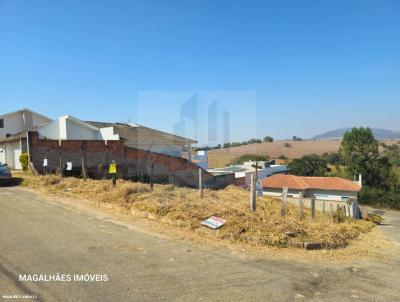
(213, 222)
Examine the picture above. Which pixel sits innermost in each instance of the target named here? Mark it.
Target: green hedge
(380, 198)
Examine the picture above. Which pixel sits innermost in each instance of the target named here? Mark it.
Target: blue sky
(282, 68)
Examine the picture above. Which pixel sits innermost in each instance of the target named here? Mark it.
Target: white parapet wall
(71, 128)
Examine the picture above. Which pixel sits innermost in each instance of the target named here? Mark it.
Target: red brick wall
(101, 153)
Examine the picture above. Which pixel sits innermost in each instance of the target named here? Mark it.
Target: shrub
(375, 218)
(247, 157)
(268, 139)
(287, 145)
(24, 160)
(379, 198)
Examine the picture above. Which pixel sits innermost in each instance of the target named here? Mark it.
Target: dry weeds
(183, 207)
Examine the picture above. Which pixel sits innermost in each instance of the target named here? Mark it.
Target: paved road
(391, 223)
(44, 236)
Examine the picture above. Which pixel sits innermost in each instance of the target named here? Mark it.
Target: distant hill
(380, 134)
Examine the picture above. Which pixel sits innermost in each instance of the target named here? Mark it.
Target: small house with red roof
(320, 188)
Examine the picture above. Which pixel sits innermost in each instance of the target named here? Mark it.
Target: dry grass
(184, 208)
(219, 158)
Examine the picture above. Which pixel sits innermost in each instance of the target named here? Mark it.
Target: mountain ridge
(380, 134)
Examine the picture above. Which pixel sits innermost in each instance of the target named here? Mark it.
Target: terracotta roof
(279, 181)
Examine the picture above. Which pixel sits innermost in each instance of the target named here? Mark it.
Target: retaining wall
(131, 163)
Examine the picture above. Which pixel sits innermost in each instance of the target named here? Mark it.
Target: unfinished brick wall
(131, 163)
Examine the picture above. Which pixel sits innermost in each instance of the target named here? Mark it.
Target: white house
(70, 128)
(12, 124)
(18, 121)
(17, 124)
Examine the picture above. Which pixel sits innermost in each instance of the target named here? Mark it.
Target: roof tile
(279, 181)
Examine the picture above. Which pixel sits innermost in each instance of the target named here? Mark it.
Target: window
(1, 123)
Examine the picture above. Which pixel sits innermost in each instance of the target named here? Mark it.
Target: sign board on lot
(113, 169)
(213, 222)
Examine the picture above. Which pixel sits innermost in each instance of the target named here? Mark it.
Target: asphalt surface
(41, 235)
(391, 223)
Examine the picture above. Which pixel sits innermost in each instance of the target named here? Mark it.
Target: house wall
(10, 147)
(2, 153)
(12, 124)
(313, 193)
(108, 134)
(39, 120)
(278, 192)
(20, 121)
(330, 195)
(131, 163)
(65, 128)
(75, 131)
(50, 130)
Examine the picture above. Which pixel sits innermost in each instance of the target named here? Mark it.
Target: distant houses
(244, 171)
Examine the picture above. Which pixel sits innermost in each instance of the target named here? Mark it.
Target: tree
(309, 165)
(360, 152)
(268, 139)
(333, 158)
(297, 139)
(393, 153)
(254, 141)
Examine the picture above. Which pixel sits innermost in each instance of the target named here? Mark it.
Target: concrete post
(301, 206)
(284, 201)
(152, 176)
(84, 172)
(313, 209)
(201, 193)
(252, 193)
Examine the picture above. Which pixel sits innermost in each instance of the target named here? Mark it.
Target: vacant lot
(146, 261)
(182, 207)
